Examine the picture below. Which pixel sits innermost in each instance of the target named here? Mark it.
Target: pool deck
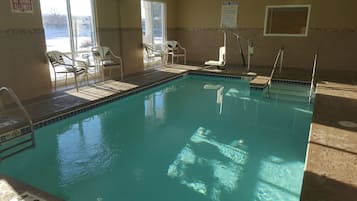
(331, 166)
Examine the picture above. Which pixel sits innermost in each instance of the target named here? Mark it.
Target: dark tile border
(211, 74)
(291, 82)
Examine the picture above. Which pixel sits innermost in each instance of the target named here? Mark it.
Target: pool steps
(16, 141)
(259, 82)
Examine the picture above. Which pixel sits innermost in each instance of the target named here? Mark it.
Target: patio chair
(175, 50)
(63, 64)
(106, 60)
(150, 53)
(221, 60)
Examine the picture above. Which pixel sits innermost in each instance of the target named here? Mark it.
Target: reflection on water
(81, 150)
(190, 168)
(219, 97)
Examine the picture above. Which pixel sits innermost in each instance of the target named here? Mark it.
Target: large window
(287, 20)
(153, 30)
(69, 26)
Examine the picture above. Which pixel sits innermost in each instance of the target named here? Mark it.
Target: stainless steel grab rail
(250, 49)
(278, 56)
(22, 108)
(313, 77)
(281, 59)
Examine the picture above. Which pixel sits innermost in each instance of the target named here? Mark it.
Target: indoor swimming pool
(196, 138)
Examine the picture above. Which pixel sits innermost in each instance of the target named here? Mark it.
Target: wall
(332, 31)
(23, 65)
(108, 26)
(130, 34)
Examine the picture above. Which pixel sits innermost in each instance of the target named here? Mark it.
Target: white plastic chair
(175, 50)
(221, 60)
(106, 60)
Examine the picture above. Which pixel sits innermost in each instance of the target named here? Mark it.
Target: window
(69, 26)
(287, 20)
(154, 31)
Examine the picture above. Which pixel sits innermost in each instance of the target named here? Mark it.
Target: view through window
(69, 26)
(153, 30)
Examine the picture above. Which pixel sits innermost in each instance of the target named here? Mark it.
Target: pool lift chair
(221, 59)
(106, 60)
(63, 64)
(222, 55)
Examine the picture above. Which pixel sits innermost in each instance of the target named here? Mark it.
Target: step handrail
(278, 56)
(240, 47)
(22, 108)
(313, 76)
(281, 59)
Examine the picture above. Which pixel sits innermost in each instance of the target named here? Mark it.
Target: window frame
(287, 6)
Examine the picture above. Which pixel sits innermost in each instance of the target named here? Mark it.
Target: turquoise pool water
(193, 139)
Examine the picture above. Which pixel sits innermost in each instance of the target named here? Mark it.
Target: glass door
(69, 27)
(55, 23)
(82, 25)
(154, 31)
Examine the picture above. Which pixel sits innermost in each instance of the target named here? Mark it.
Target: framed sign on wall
(21, 6)
(229, 13)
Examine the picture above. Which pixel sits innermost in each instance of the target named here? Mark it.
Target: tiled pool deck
(331, 166)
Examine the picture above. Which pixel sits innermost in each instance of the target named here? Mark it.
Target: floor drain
(348, 124)
(26, 196)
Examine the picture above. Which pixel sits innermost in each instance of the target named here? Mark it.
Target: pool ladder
(279, 59)
(8, 145)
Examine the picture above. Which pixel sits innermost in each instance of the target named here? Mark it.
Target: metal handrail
(240, 47)
(22, 108)
(281, 59)
(273, 70)
(313, 76)
(275, 64)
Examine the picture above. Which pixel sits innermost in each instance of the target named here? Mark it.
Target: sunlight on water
(225, 173)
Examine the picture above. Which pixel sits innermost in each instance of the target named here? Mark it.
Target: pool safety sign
(229, 13)
(21, 6)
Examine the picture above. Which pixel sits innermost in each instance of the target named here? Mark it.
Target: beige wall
(332, 29)
(107, 13)
(206, 13)
(23, 63)
(130, 36)
(198, 13)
